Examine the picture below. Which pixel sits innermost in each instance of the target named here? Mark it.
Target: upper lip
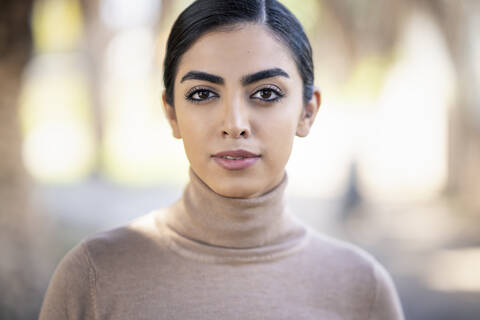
(236, 153)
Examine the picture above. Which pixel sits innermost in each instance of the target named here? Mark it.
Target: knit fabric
(213, 257)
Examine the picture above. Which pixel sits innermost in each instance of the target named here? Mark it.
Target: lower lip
(235, 164)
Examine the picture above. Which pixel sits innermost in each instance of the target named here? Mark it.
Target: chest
(205, 291)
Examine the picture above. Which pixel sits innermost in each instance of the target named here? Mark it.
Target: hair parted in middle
(204, 16)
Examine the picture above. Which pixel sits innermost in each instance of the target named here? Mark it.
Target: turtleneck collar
(205, 217)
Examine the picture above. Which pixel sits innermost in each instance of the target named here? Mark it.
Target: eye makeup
(265, 92)
(199, 94)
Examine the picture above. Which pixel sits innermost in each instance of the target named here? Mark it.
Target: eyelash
(189, 95)
(279, 94)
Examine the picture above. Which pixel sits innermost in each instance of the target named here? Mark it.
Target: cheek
(278, 134)
(282, 122)
(192, 129)
(281, 140)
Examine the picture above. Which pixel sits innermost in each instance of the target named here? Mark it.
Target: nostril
(236, 133)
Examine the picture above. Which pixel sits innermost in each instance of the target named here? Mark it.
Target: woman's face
(238, 105)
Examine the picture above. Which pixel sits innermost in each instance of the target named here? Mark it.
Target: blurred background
(392, 163)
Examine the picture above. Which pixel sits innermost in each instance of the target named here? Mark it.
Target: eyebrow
(264, 74)
(246, 80)
(199, 75)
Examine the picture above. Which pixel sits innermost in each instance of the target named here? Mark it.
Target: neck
(207, 217)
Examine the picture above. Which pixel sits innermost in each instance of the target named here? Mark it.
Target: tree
(20, 295)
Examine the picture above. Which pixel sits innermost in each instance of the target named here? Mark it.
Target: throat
(208, 217)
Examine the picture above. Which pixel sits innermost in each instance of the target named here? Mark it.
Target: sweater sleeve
(386, 304)
(71, 292)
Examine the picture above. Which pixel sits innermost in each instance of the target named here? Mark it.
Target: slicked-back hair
(204, 16)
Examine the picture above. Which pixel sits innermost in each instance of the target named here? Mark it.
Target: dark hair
(203, 16)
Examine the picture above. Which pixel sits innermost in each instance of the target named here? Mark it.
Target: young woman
(238, 89)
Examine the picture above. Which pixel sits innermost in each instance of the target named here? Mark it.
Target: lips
(235, 154)
(235, 159)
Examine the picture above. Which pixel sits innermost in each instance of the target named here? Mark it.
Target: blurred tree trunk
(97, 38)
(456, 20)
(20, 295)
(459, 22)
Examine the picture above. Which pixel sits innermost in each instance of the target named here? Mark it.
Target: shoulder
(110, 249)
(131, 242)
(342, 254)
(102, 246)
(105, 257)
(359, 271)
(71, 292)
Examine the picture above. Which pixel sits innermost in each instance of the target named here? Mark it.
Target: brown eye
(198, 95)
(267, 95)
(203, 94)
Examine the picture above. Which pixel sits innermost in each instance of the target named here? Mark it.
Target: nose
(236, 121)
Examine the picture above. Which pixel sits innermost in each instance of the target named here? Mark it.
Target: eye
(267, 94)
(200, 94)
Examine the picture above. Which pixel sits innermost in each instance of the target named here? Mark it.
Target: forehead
(236, 52)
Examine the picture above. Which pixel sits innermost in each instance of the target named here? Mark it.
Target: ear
(309, 112)
(171, 117)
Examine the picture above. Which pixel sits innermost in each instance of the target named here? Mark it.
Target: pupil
(266, 94)
(203, 94)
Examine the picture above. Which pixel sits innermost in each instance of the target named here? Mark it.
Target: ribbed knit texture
(212, 257)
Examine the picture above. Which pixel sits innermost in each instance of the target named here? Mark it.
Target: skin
(233, 115)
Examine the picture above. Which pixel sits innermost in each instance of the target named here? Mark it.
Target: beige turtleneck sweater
(213, 257)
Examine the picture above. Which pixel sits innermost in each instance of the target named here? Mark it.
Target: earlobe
(302, 129)
(171, 117)
(308, 114)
